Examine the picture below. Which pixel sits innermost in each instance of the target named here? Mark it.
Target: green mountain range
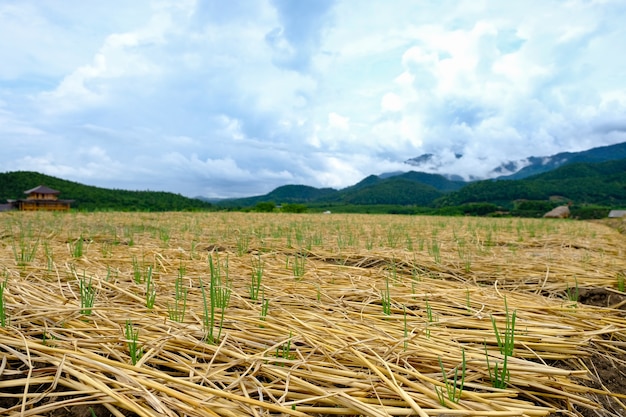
(588, 185)
(601, 183)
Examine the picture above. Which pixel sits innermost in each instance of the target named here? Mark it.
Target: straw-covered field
(232, 314)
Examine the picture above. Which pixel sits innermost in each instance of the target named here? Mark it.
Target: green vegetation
(3, 308)
(89, 198)
(257, 277)
(219, 297)
(87, 295)
(177, 309)
(132, 337)
(500, 374)
(454, 386)
(593, 188)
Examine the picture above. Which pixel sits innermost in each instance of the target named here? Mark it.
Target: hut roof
(617, 213)
(558, 212)
(42, 189)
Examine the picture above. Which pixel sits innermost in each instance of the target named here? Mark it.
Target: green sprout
(454, 386)
(132, 337)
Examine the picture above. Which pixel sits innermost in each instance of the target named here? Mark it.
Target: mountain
(537, 165)
(408, 188)
(582, 183)
(522, 168)
(291, 194)
(13, 185)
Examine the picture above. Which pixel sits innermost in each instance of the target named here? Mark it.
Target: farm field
(250, 314)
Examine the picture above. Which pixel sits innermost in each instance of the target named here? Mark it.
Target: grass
(265, 306)
(77, 247)
(453, 387)
(298, 265)
(25, 249)
(257, 277)
(177, 309)
(132, 341)
(218, 299)
(284, 351)
(572, 293)
(506, 341)
(87, 295)
(3, 307)
(499, 374)
(385, 298)
(151, 291)
(621, 277)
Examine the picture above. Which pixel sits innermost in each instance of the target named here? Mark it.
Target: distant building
(41, 198)
(616, 214)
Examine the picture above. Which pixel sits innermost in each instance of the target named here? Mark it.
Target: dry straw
(324, 345)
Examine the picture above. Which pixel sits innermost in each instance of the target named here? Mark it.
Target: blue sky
(227, 99)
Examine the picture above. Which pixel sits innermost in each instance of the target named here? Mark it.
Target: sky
(234, 98)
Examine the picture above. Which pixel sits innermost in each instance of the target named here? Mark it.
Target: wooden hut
(41, 198)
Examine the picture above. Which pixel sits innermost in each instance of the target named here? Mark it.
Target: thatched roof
(560, 212)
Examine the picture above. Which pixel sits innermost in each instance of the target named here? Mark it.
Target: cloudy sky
(234, 98)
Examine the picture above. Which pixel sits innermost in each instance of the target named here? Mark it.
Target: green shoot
(177, 310)
(506, 342)
(25, 254)
(150, 290)
(132, 337)
(76, 247)
(298, 265)
(3, 308)
(257, 276)
(284, 351)
(265, 306)
(499, 377)
(431, 318)
(454, 387)
(621, 277)
(385, 298)
(87, 295)
(219, 297)
(406, 330)
(243, 243)
(572, 293)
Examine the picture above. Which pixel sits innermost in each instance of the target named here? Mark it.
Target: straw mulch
(325, 346)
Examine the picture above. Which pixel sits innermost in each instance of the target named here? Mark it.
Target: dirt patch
(602, 297)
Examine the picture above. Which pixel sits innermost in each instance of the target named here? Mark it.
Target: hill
(537, 165)
(13, 185)
(583, 183)
(409, 188)
(290, 194)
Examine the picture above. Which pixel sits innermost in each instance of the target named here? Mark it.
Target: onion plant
(3, 308)
(298, 268)
(265, 306)
(385, 298)
(284, 351)
(500, 374)
(24, 249)
(132, 337)
(219, 297)
(151, 291)
(177, 309)
(257, 277)
(454, 386)
(506, 341)
(87, 295)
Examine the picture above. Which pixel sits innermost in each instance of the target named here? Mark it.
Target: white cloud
(237, 98)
